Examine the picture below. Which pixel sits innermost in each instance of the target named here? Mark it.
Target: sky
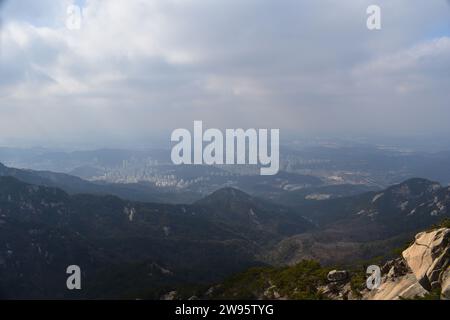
(136, 70)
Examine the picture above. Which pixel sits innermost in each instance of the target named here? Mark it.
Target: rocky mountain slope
(367, 225)
(393, 210)
(424, 268)
(253, 216)
(421, 272)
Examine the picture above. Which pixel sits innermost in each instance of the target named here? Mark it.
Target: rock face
(445, 292)
(395, 268)
(428, 257)
(394, 289)
(338, 291)
(424, 266)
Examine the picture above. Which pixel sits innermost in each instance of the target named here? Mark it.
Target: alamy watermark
(236, 146)
(374, 279)
(73, 282)
(74, 17)
(374, 19)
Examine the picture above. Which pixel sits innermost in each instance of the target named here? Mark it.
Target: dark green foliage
(297, 282)
(445, 223)
(358, 282)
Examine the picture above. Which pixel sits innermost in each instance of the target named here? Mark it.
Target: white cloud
(138, 67)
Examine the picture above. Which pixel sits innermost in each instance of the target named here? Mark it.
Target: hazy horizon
(137, 70)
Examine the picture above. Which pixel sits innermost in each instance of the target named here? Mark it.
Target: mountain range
(132, 249)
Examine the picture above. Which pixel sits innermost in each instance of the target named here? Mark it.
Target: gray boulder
(337, 275)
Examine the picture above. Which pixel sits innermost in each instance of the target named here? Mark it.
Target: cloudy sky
(138, 69)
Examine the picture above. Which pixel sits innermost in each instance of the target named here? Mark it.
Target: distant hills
(205, 179)
(403, 207)
(72, 184)
(366, 225)
(257, 218)
(325, 168)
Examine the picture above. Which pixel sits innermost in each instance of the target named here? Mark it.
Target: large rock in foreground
(424, 267)
(428, 257)
(404, 287)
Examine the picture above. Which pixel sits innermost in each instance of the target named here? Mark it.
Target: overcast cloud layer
(139, 68)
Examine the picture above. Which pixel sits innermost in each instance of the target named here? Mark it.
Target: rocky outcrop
(424, 267)
(338, 291)
(422, 271)
(396, 288)
(395, 268)
(338, 286)
(337, 275)
(445, 291)
(428, 257)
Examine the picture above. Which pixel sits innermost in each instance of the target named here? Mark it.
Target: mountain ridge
(43, 229)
